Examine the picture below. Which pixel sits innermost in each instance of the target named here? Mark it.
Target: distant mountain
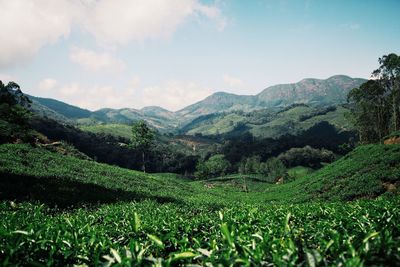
(310, 91)
(313, 92)
(48, 105)
(158, 112)
(270, 122)
(333, 90)
(219, 102)
(157, 117)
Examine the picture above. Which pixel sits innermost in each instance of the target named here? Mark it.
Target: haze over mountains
(313, 92)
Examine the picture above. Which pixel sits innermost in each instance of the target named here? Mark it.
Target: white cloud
(29, 25)
(94, 61)
(119, 22)
(172, 95)
(232, 81)
(47, 84)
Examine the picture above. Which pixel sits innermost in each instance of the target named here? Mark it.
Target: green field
(122, 130)
(60, 210)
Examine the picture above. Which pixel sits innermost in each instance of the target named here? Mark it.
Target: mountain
(51, 107)
(268, 122)
(313, 92)
(330, 91)
(157, 117)
(219, 102)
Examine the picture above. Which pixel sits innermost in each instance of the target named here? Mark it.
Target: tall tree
(388, 75)
(142, 139)
(377, 102)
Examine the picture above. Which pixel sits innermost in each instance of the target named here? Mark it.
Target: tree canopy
(377, 102)
(142, 139)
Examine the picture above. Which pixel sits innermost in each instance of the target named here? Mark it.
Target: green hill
(269, 122)
(313, 92)
(60, 210)
(56, 109)
(329, 91)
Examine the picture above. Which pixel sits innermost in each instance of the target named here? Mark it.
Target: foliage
(142, 139)
(273, 168)
(160, 219)
(320, 136)
(146, 234)
(306, 156)
(270, 170)
(215, 166)
(377, 102)
(14, 115)
(299, 171)
(114, 150)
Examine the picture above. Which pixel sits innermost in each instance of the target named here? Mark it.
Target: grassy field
(122, 130)
(59, 210)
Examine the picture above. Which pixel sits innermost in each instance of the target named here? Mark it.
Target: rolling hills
(271, 123)
(313, 92)
(60, 210)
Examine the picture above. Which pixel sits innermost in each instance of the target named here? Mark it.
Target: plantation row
(147, 233)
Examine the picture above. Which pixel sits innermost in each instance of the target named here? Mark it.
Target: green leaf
(116, 255)
(136, 222)
(184, 255)
(156, 240)
(226, 233)
(370, 236)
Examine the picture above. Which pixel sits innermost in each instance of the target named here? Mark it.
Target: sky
(172, 53)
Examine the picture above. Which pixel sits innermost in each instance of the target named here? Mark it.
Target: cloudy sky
(171, 53)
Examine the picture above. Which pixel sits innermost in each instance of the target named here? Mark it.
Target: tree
(142, 139)
(215, 166)
(388, 75)
(14, 115)
(275, 168)
(377, 102)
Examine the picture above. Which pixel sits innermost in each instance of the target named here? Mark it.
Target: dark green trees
(215, 166)
(377, 102)
(142, 139)
(14, 114)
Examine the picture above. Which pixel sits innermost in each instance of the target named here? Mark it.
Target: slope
(148, 220)
(330, 91)
(269, 122)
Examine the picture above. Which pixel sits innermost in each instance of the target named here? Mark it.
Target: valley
(286, 177)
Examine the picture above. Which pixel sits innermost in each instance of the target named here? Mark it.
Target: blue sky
(172, 53)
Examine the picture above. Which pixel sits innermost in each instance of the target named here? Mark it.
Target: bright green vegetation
(95, 213)
(314, 92)
(122, 130)
(299, 171)
(270, 123)
(147, 233)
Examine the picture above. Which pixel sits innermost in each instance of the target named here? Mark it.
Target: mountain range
(313, 92)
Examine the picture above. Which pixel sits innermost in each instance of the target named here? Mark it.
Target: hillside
(50, 107)
(313, 92)
(310, 91)
(344, 179)
(330, 91)
(65, 211)
(157, 117)
(269, 122)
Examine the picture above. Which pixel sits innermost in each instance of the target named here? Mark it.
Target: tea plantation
(59, 210)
